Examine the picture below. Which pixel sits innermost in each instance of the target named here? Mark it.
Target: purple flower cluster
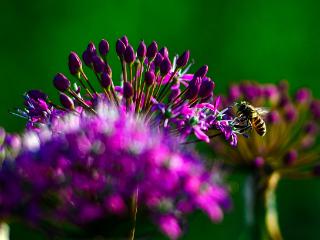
(86, 167)
(154, 87)
(290, 145)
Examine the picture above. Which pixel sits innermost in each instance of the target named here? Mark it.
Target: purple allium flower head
(92, 165)
(166, 88)
(61, 82)
(290, 147)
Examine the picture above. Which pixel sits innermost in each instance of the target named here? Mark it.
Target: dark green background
(250, 39)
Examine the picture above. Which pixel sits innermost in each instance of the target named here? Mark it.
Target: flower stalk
(261, 207)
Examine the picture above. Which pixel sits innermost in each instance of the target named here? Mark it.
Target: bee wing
(262, 111)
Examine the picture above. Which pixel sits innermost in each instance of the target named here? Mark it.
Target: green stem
(260, 205)
(134, 211)
(4, 231)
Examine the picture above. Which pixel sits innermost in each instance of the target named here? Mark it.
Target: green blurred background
(239, 39)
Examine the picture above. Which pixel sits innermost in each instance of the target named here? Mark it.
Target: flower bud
(165, 66)
(201, 72)
(290, 157)
(273, 117)
(149, 78)
(164, 52)
(142, 50)
(206, 88)
(120, 48)
(183, 59)
(311, 128)
(87, 58)
(290, 113)
(127, 90)
(75, 64)
(105, 80)
(66, 101)
(315, 109)
(234, 92)
(37, 94)
(157, 60)
(303, 95)
(174, 93)
(125, 40)
(129, 55)
(104, 47)
(91, 48)
(258, 162)
(61, 82)
(152, 50)
(193, 90)
(98, 64)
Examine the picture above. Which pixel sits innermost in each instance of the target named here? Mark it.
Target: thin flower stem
(124, 70)
(140, 98)
(136, 82)
(88, 82)
(198, 140)
(83, 85)
(134, 207)
(163, 91)
(131, 74)
(272, 222)
(81, 101)
(261, 211)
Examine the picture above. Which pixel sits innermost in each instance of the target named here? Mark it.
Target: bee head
(241, 105)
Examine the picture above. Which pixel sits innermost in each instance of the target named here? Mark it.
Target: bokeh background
(239, 39)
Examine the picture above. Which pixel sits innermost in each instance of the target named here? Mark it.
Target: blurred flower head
(86, 167)
(290, 145)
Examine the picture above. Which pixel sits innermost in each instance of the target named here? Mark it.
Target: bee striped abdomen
(259, 125)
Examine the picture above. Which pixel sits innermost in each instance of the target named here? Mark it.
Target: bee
(251, 117)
